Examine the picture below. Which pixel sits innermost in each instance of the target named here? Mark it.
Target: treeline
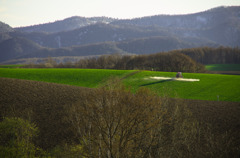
(185, 60)
(157, 62)
(171, 62)
(206, 55)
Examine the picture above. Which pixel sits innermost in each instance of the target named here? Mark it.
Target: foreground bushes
(112, 122)
(16, 138)
(115, 123)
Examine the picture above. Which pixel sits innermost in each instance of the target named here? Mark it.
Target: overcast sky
(29, 12)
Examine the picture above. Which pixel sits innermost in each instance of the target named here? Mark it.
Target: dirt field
(43, 103)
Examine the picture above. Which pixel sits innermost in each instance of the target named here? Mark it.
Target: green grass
(77, 77)
(223, 67)
(210, 86)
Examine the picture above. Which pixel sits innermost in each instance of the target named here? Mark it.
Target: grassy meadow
(223, 67)
(78, 77)
(210, 87)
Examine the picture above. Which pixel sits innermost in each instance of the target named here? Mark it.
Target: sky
(18, 13)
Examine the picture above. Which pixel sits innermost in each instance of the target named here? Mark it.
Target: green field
(223, 67)
(210, 86)
(77, 77)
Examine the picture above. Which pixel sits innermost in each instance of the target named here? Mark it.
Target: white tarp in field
(177, 79)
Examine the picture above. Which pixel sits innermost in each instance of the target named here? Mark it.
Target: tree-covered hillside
(74, 36)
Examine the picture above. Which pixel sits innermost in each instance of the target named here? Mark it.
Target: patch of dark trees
(220, 55)
(184, 60)
(171, 62)
(157, 62)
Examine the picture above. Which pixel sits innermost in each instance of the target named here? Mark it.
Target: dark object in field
(179, 75)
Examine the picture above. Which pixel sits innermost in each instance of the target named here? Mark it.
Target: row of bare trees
(220, 55)
(114, 123)
(185, 60)
(158, 62)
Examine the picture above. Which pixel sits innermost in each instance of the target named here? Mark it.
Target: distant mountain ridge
(99, 32)
(22, 49)
(220, 25)
(5, 28)
(80, 36)
(14, 48)
(66, 24)
(205, 19)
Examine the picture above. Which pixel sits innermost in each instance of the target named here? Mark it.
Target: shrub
(16, 137)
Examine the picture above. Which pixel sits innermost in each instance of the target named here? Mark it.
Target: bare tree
(112, 122)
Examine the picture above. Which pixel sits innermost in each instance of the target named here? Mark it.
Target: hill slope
(212, 28)
(45, 104)
(209, 87)
(220, 25)
(16, 47)
(65, 24)
(5, 28)
(99, 32)
(23, 50)
(45, 101)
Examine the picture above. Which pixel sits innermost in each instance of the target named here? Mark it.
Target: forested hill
(206, 55)
(5, 28)
(184, 60)
(219, 25)
(65, 25)
(205, 19)
(81, 37)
